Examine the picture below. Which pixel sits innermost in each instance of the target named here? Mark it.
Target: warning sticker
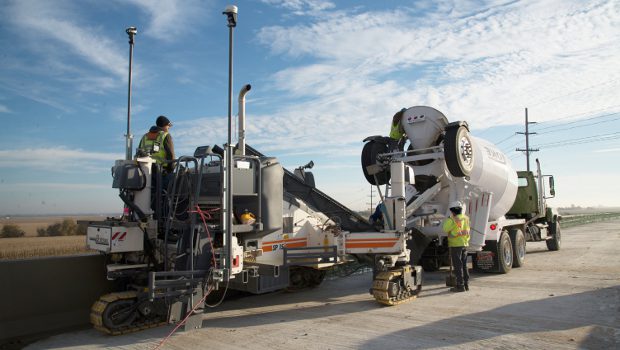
(485, 260)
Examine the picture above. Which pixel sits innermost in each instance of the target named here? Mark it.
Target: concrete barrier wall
(47, 295)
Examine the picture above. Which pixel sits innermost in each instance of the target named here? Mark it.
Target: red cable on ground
(182, 322)
(203, 215)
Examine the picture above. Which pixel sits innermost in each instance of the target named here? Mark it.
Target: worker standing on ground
(457, 228)
(397, 133)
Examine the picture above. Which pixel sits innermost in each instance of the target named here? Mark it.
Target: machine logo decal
(290, 243)
(100, 240)
(495, 155)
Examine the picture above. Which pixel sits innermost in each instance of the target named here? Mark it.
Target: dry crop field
(31, 246)
(30, 224)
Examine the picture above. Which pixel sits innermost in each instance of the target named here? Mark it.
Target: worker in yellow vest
(397, 133)
(158, 144)
(457, 228)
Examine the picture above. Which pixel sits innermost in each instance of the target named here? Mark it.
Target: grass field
(29, 247)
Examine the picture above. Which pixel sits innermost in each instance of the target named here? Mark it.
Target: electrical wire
(588, 139)
(507, 149)
(579, 121)
(537, 124)
(506, 139)
(577, 126)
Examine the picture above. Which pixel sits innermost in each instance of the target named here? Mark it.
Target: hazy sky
(325, 74)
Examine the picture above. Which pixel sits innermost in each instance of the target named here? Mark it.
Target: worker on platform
(158, 144)
(457, 228)
(376, 219)
(397, 133)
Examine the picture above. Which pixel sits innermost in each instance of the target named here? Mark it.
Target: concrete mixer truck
(442, 162)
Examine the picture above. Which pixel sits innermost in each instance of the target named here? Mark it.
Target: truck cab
(542, 221)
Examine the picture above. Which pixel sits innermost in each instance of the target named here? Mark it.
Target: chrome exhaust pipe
(242, 94)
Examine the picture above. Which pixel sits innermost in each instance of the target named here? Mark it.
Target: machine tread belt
(388, 287)
(123, 305)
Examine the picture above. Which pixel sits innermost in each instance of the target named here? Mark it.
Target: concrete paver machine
(173, 255)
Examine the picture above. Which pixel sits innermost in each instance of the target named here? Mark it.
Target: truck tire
(369, 157)
(518, 247)
(555, 242)
(458, 151)
(504, 253)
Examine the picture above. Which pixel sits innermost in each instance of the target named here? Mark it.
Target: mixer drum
(493, 172)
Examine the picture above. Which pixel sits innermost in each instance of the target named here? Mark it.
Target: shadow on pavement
(597, 309)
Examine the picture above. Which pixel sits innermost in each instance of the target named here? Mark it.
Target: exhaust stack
(242, 94)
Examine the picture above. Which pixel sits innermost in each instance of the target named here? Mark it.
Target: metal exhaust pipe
(242, 94)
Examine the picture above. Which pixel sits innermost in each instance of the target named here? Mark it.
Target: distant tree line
(11, 231)
(67, 227)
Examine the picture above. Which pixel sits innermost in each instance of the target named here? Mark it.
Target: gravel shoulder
(562, 300)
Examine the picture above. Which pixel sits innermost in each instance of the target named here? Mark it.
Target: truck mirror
(551, 186)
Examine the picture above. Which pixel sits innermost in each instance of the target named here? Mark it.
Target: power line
(536, 127)
(579, 126)
(588, 139)
(580, 121)
(506, 139)
(511, 147)
(508, 148)
(578, 114)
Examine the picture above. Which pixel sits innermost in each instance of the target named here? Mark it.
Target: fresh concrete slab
(567, 299)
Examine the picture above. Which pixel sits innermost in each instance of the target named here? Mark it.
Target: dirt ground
(559, 300)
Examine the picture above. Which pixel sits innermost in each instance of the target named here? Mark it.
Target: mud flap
(485, 261)
(417, 244)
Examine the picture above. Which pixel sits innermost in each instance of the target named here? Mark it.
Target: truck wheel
(458, 151)
(369, 157)
(518, 247)
(504, 253)
(555, 241)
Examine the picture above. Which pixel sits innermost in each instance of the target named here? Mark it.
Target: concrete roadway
(559, 300)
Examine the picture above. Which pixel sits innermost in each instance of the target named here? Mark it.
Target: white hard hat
(456, 204)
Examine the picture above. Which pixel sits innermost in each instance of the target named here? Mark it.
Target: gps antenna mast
(131, 31)
(231, 15)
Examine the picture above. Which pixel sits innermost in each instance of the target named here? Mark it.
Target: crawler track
(124, 312)
(392, 288)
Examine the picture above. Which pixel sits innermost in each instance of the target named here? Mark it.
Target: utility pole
(527, 134)
(372, 194)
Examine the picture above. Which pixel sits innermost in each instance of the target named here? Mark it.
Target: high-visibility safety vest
(457, 229)
(155, 148)
(396, 132)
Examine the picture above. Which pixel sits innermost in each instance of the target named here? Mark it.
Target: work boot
(457, 289)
